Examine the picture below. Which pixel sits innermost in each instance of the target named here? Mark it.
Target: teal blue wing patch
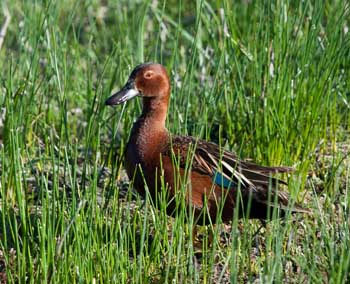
(220, 180)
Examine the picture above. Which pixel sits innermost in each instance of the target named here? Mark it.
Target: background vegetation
(269, 79)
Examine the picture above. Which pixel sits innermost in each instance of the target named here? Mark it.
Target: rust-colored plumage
(215, 176)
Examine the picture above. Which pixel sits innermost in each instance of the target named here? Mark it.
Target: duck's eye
(148, 74)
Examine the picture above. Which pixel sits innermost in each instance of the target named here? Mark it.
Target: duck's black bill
(125, 94)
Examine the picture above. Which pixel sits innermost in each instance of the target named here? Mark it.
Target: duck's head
(148, 80)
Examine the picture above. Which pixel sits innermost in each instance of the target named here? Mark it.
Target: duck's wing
(228, 171)
(209, 159)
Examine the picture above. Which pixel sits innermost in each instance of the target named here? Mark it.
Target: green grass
(270, 80)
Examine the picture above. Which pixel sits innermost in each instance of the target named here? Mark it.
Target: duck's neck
(154, 112)
(149, 130)
(150, 126)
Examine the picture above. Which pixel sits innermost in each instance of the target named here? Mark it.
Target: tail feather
(283, 202)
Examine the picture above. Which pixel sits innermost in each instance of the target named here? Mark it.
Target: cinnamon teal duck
(215, 177)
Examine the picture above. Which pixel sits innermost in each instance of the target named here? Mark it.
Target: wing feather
(210, 159)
